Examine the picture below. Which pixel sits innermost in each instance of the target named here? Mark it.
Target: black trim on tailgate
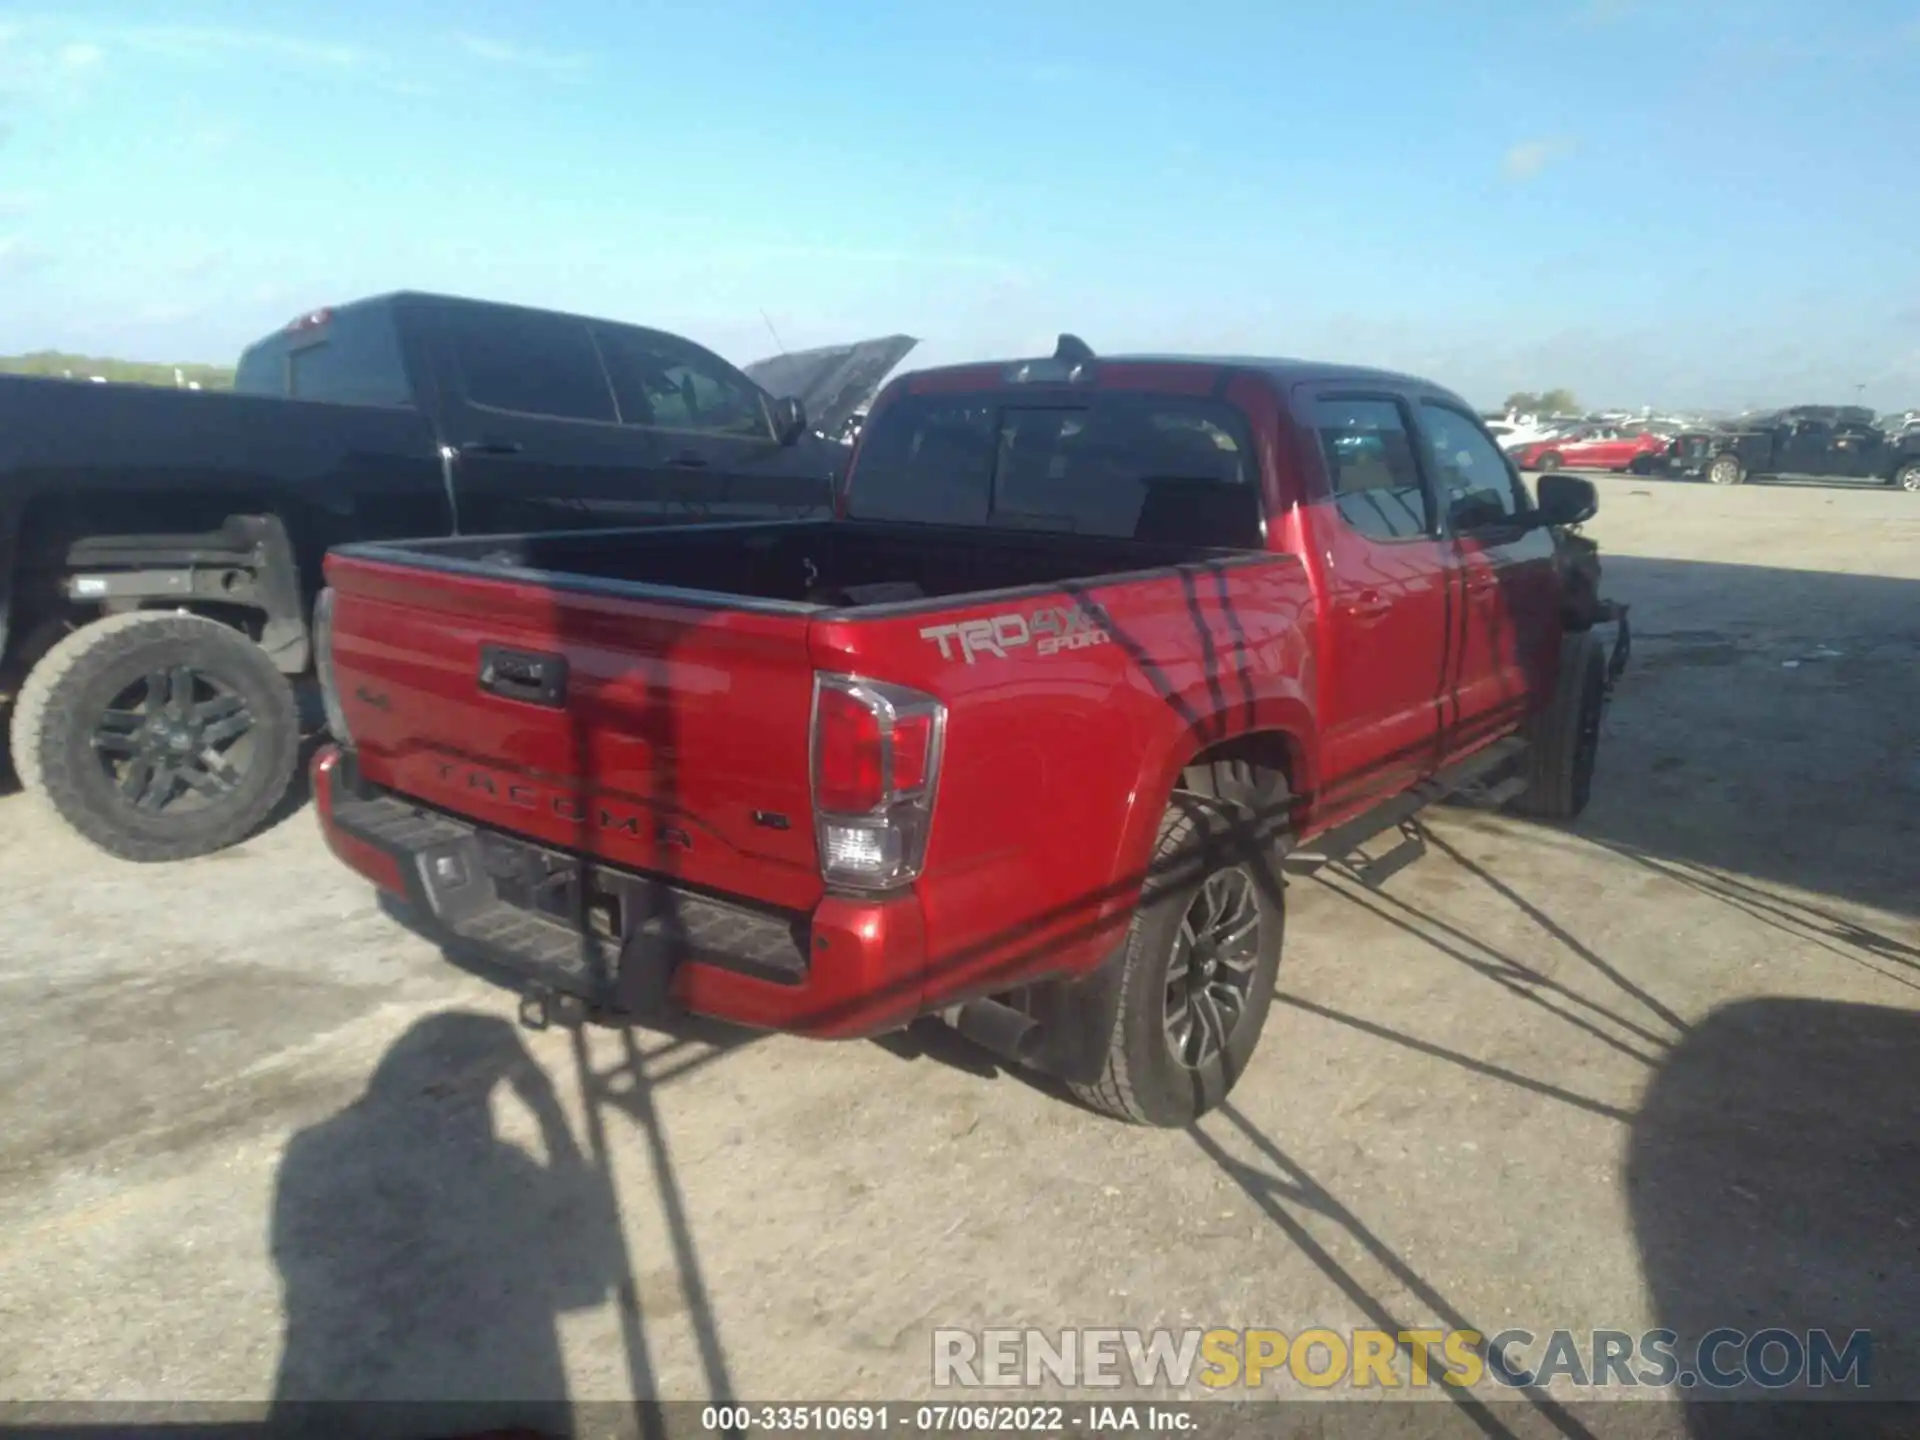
(526, 908)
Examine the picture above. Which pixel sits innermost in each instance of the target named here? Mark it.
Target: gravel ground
(1657, 1068)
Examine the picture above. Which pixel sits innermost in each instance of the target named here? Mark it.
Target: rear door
(1506, 629)
(1389, 607)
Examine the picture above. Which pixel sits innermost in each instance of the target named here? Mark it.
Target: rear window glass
(353, 360)
(1138, 466)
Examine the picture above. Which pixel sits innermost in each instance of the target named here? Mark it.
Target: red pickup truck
(1020, 736)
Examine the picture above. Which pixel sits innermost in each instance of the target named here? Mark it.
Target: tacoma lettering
(561, 807)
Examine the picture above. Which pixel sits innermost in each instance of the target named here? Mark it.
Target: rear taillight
(876, 764)
(323, 667)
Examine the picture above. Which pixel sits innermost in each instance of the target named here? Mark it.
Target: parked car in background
(1595, 447)
(160, 548)
(1806, 442)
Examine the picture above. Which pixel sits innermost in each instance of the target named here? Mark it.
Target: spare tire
(157, 736)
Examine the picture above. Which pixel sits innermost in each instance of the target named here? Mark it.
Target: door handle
(1369, 605)
(490, 446)
(688, 460)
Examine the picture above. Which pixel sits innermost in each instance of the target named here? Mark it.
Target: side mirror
(1566, 499)
(789, 420)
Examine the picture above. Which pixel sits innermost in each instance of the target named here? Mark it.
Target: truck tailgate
(663, 736)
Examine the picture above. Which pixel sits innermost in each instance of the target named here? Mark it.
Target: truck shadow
(1769, 729)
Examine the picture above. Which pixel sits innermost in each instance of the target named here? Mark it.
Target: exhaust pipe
(1009, 1033)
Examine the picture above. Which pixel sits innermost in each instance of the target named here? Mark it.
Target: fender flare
(1286, 719)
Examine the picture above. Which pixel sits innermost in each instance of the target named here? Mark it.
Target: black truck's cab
(145, 531)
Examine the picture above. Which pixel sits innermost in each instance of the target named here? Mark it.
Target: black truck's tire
(1143, 1080)
(1907, 477)
(1725, 470)
(162, 776)
(1563, 740)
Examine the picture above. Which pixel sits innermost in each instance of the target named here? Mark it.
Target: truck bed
(801, 566)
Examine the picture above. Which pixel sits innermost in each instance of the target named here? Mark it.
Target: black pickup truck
(160, 549)
(1806, 442)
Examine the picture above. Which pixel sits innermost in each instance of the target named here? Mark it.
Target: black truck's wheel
(157, 736)
(1199, 970)
(1563, 741)
(1907, 477)
(1725, 470)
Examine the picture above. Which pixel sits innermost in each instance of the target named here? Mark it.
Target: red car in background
(1601, 447)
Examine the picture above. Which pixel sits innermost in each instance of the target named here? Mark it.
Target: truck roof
(1282, 370)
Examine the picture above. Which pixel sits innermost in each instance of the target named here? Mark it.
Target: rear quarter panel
(1063, 747)
(138, 459)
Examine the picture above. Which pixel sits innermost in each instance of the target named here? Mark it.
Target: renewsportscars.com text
(1319, 1359)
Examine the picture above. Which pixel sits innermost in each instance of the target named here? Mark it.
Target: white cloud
(35, 66)
(209, 44)
(491, 51)
(18, 258)
(1530, 157)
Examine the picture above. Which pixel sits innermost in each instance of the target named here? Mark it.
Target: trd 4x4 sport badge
(1049, 631)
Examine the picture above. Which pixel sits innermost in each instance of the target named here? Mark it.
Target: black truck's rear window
(1117, 463)
(351, 359)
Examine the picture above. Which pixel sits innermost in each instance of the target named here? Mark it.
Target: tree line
(1551, 402)
(126, 372)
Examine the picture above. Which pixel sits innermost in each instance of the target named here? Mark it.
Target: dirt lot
(1657, 1069)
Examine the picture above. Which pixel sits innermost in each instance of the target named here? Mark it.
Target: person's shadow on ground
(426, 1259)
(1774, 1182)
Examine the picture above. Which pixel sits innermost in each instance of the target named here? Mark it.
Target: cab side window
(1370, 464)
(668, 386)
(1475, 484)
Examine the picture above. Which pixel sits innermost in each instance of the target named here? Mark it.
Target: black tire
(1641, 465)
(1143, 1080)
(1552, 460)
(1563, 741)
(92, 757)
(1725, 470)
(1907, 477)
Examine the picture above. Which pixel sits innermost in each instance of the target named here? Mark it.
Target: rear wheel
(1200, 964)
(157, 736)
(1563, 741)
(1550, 461)
(1725, 470)
(1908, 477)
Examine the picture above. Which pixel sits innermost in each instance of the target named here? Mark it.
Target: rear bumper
(620, 939)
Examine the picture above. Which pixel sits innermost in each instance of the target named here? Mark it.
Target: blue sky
(1684, 203)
